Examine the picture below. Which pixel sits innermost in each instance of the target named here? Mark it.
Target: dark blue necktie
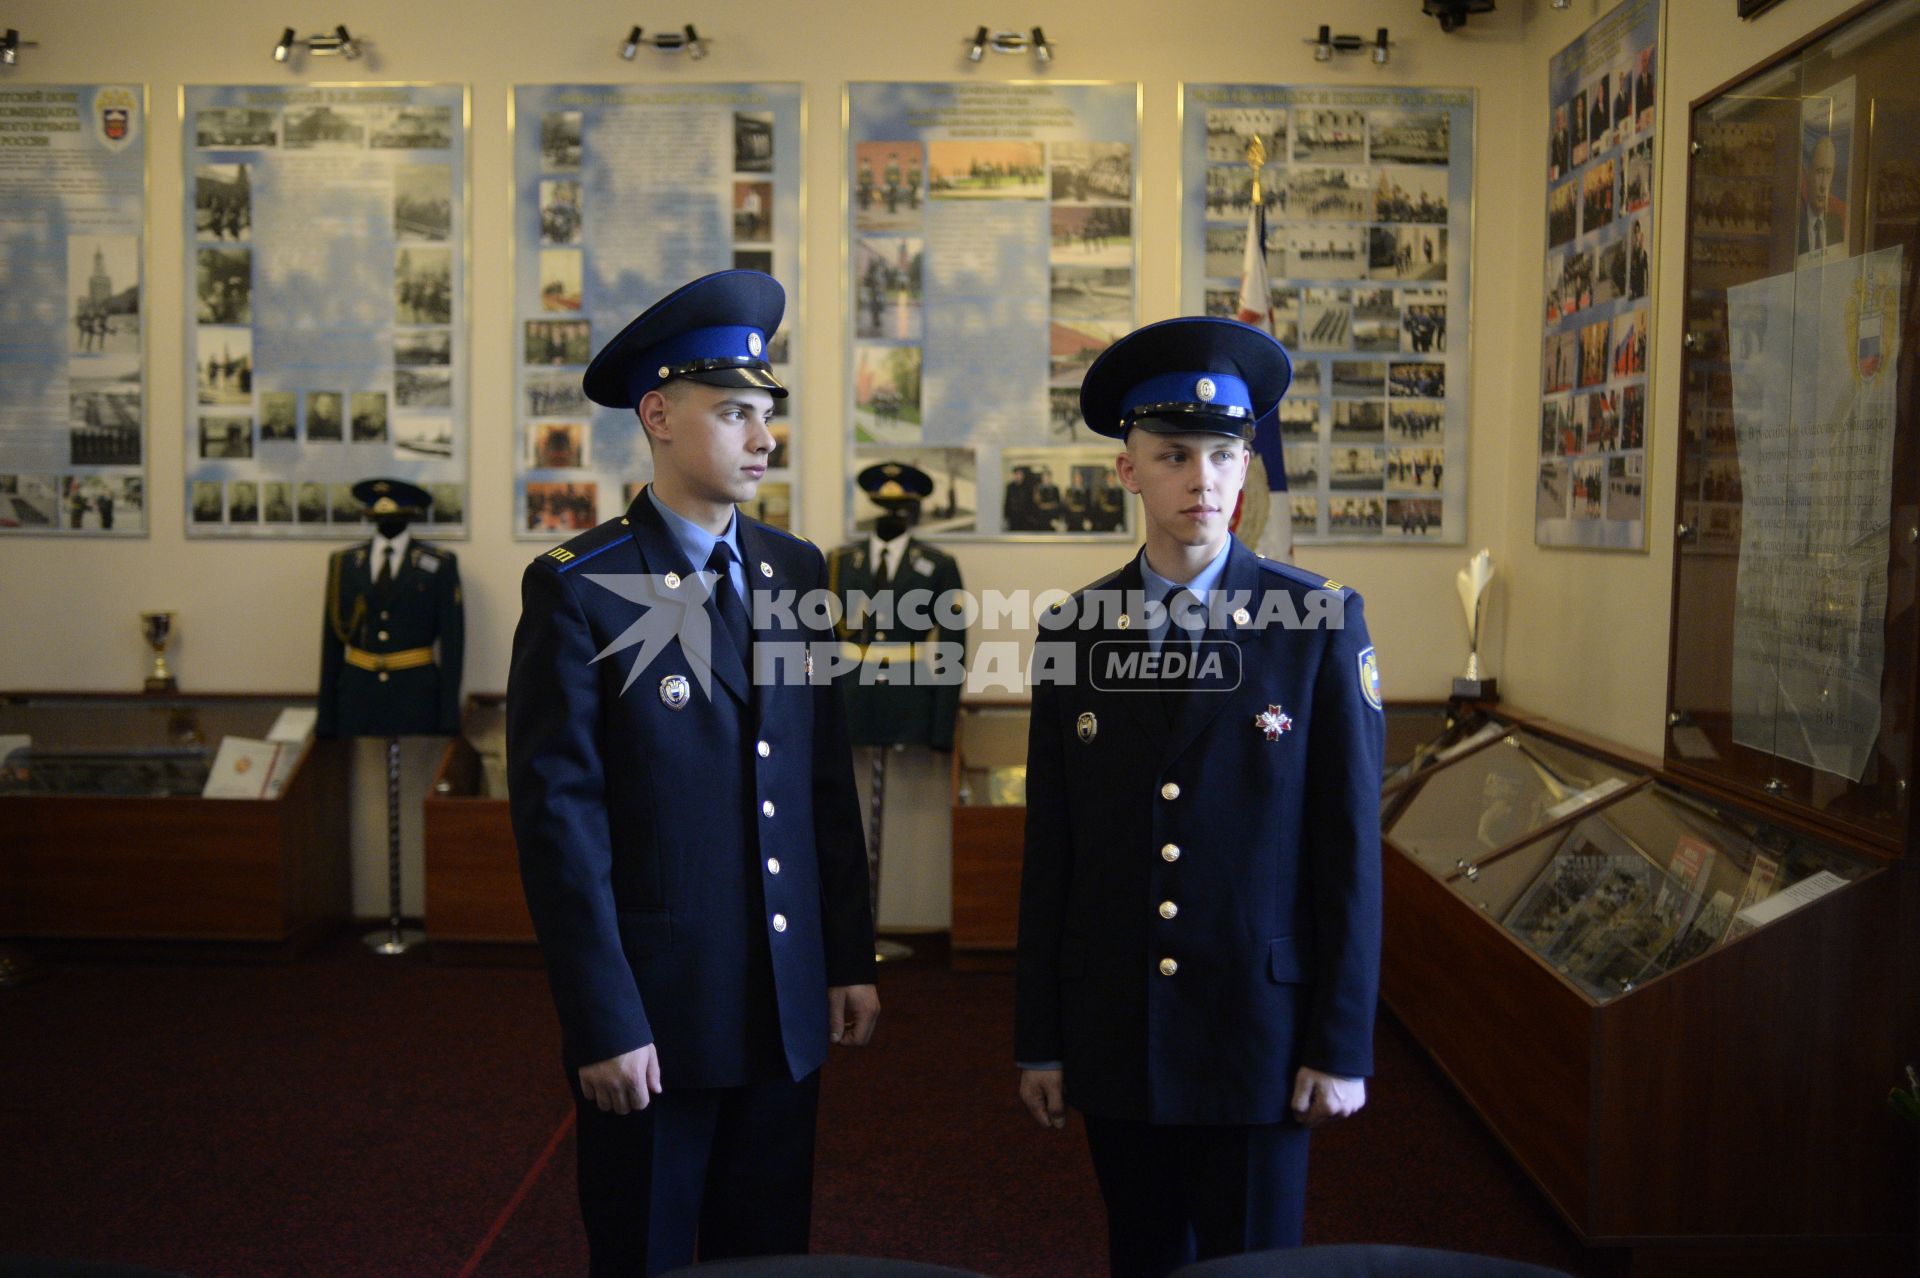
(724, 604)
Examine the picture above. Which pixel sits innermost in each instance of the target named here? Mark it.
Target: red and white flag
(1265, 516)
(1256, 294)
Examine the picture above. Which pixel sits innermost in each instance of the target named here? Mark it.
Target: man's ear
(654, 417)
(1123, 467)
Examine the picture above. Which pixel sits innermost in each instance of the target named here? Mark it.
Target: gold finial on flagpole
(1256, 160)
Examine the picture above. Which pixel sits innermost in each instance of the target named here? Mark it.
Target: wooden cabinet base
(473, 892)
(220, 872)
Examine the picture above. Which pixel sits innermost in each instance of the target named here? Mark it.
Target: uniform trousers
(1180, 1193)
(726, 1170)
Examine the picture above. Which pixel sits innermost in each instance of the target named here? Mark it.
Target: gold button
(673, 581)
(1168, 967)
(764, 749)
(779, 922)
(383, 634)
(773, 865)
(1168, 909)
(385, 615)
(767, 808)
(1170, 852)
(383, 676)
(1170, 790)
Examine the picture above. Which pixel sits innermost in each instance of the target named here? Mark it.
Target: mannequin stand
(883, 950)
(395, 939)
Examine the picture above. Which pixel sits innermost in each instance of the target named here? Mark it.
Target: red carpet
(351, 1115)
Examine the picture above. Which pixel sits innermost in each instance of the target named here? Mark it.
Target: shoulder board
(601, 537)
(779, 532)
(1303, 577)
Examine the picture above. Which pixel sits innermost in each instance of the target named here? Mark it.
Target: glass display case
(109, 837)
(1794, 636)
(1621, 969)
(474, 900)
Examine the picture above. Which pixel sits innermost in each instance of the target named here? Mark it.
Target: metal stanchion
(395, 939)
(883, 949)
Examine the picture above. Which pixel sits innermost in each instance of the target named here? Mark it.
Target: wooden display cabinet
(1582, 942)
(108, 838)
(989, 829)
(474, 901)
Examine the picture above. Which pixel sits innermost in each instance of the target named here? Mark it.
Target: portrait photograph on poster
(207, 501)
(279, 417)
(369, 416)
(326, 420)
(557, 445)
(561, 222)
(243, 501)
(224, 286)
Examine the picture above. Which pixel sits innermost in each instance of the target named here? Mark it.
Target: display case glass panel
(1644, 883)
(1492, 795)
(136, 745)
(1794, 626)
(991, 770)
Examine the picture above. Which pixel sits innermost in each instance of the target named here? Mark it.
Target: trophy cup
(158, 628)
(1473, 581)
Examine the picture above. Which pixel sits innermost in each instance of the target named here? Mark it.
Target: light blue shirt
(696, 543)
(1158, 588)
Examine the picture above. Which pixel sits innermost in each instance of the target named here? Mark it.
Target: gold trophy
(158, 628)
(1472, 582)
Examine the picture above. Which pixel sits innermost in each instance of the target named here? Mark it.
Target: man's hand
(851, 1013)
(1318, 1097)
(1044, 1093)
(624, 1083)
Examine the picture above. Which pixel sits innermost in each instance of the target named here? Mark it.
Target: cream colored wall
(1578, 636)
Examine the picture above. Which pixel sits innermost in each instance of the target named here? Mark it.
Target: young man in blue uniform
(1200, 901)
(689, 834)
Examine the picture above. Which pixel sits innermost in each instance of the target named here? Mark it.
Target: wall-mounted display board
(1367, 196)
(73, 366)
(1794, 630)
(991, 256)
(622, 193)
(325, 303)
(1602, 161)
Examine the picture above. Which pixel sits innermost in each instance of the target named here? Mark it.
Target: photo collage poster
(1601, 169)
(73, 220)
(1367, 197)
(991, 254)
(326, 303)
(622, 194)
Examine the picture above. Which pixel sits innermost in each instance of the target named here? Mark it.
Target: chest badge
(766, 569)
(674, 692)
(1087, 727)
(1272, 722)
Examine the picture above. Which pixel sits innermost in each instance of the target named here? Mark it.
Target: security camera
(1452, 14)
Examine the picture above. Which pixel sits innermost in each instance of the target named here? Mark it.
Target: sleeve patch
(1370, 679)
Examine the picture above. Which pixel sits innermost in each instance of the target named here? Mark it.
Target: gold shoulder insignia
(560, 553)
(1331, 584)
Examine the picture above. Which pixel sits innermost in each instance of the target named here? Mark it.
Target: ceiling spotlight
(696, 47)
(1323, 45)
(632, 46)
(284, 49)
(10, 46)
(1380, 46)
(978, 49)
(1042, 51)
(349, 49)
(686, 38)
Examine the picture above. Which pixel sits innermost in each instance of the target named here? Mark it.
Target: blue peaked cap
(713, 330)
(1189, 374)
